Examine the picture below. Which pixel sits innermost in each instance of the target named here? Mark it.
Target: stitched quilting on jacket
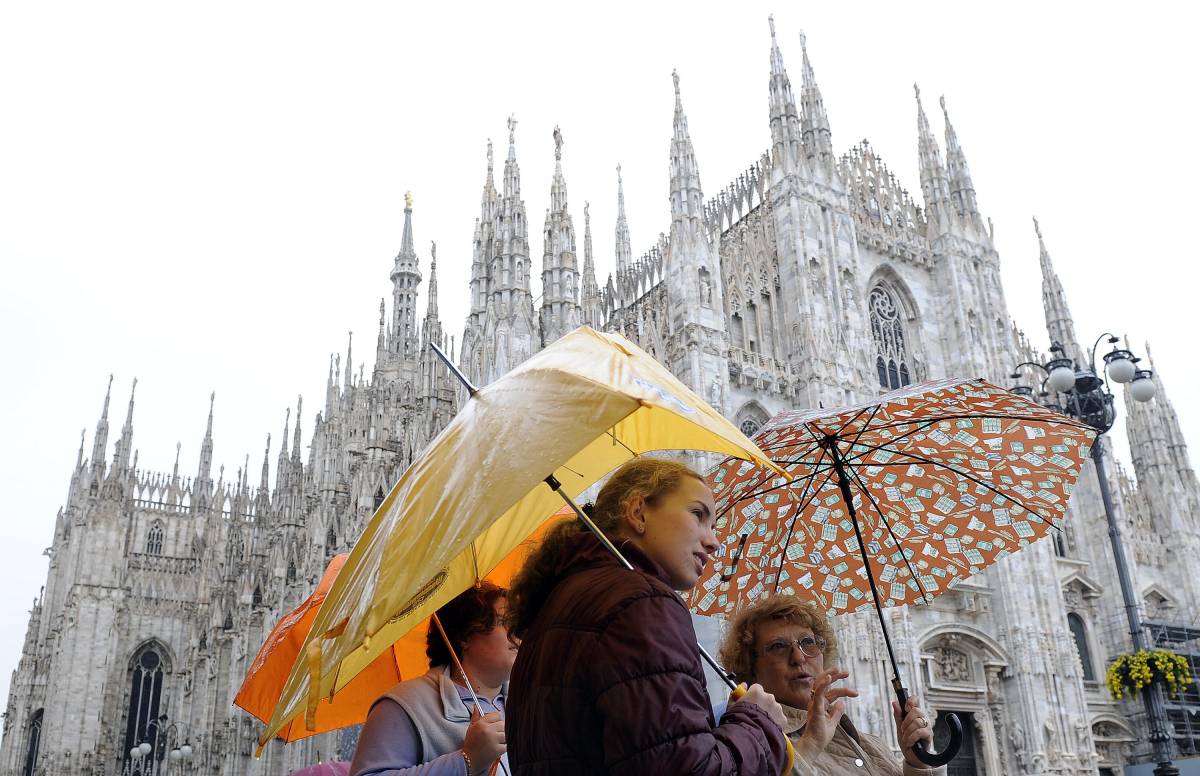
(608, 680)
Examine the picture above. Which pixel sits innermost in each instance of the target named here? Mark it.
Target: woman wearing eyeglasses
(786, 645)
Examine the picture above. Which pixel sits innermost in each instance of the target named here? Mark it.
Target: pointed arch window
(378, 496)
(887, 332)
(291, 572)
(145, 695)
(330, 543)
(256, 598)
(35, 741)
(154, 539)
(751, 418)
(1079, 633)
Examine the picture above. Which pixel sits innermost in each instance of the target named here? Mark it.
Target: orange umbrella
(405, 659)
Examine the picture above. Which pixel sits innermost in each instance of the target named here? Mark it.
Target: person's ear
(635, 515)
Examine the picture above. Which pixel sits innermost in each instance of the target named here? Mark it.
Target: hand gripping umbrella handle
(737, 693)
(933, 760)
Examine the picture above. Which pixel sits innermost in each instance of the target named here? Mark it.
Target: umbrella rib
(959, 472)
(924, 425)
(612, 434)
(796, 516)
(874, 409)
(887, 524)
(865, 428)
(757, 493)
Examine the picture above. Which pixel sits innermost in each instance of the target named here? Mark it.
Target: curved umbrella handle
(935, 759)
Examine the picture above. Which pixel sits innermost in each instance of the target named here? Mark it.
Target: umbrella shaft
(471, 389)
(457, 664)
(556, 486)
(848, 497)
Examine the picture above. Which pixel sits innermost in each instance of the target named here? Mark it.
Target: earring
(641, 529)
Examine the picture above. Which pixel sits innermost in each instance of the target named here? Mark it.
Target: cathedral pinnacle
(814, 123)
(962, 190)
(1059, 323)
(933, 174)
(296, 435)
(121, 459)
(590, 298)
(512, 173)
(405, 277)
(786, 138)
(204, 474)
(560, 311)
(264, 482)
(624, 246)
(687, 198)
(431, 305)
(100, 441)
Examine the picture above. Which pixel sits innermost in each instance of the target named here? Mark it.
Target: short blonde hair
(738, 646)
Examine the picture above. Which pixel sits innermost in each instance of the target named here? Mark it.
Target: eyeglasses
(781, 648)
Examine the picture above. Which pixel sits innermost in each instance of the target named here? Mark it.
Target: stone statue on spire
(558, 143)
(408, 199)
(512, 129)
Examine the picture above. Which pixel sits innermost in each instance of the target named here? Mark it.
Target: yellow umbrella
(568, 415)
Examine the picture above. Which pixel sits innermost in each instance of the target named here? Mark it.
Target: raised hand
(825, 710)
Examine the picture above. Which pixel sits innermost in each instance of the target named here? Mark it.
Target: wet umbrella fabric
(947, 477)
(574, 411)
(892, 501)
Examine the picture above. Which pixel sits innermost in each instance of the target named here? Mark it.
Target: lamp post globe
(1142, 388)
(175, 754)
(1119, 366)
(186, 751)
(144, 748)
(1062, 375)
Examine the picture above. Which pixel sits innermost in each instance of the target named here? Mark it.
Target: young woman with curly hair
(429, 726)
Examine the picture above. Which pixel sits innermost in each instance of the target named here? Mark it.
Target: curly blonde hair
(645, 478)
(741, 636)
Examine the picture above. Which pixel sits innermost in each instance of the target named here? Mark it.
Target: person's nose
(709, 541)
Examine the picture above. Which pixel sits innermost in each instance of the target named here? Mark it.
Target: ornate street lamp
(1078, 391)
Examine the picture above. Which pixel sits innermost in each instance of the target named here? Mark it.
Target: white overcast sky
(209, 196)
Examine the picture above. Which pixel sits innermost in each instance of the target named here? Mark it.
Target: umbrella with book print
(891, 502)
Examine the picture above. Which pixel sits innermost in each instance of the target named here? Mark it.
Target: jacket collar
(584, 551)
(454, 707)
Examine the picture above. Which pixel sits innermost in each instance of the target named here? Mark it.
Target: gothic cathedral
(811, 279)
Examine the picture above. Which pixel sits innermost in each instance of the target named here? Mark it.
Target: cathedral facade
(813, 279)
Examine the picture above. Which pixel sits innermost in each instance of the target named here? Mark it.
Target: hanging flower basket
(1129, 674)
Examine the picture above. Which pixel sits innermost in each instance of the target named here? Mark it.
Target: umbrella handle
(737, 693)
(932, 759)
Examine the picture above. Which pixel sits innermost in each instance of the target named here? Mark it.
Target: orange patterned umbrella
(891, 501)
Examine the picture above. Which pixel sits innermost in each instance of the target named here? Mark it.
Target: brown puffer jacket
(608, 680)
